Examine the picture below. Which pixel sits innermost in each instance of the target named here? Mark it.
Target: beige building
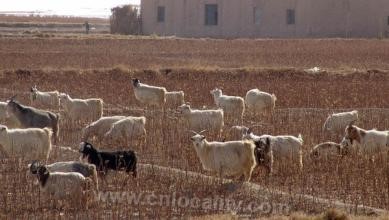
(266, 18)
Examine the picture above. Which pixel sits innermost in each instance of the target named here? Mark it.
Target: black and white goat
(87, 170)
(70, 186)
(109, 160)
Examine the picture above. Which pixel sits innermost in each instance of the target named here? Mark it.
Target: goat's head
(34, 89)
(3, 129)
(345, 146)
(262, 150)
(12, 106)
(63, 96)
(135, 82)
(353, 133)
(86, 149)
(42, 174)
(183, 109)
(34, 166)
(216, 92)
(247, 133)
(198, 139)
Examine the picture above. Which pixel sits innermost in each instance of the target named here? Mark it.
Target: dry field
(102, 67)
(102, 51)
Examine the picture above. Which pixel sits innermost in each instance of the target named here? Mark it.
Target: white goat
(233, 158)
(283, 146)
(326, 150)
(149, 95)
(69, 186)
(174, 99)
(211, 120)
(367, 141)
(85, 169)
(233, 106)
(30, 143)
(260, 102)
(48, 100)
(336, 123)
(127, 129)
(81, 109)
(98, 128)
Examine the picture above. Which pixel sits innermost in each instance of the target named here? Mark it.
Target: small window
(257, 15)
(161, 14)
(388, 20)
(211, 14)
(290, 16)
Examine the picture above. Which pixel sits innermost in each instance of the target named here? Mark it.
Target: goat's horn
(193, 132)
(202, 131)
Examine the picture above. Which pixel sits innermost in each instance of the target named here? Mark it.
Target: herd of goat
(29, 132)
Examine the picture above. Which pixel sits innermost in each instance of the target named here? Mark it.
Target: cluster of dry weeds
(304, 100)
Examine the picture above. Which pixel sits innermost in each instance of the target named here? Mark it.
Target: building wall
(314, 18)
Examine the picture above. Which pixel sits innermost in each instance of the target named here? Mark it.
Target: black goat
(104, 160)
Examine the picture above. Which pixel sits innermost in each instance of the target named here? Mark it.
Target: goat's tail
(300, 137)
(273, 101)
(300, 158)
(47, 148)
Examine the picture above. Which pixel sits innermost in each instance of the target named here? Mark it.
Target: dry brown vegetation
(149, 53)
(304, 100)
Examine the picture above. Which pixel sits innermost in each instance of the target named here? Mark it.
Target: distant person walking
(87, 27)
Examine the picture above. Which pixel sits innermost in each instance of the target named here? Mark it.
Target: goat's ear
(249, 131)
(202, 137)
(12, 98)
